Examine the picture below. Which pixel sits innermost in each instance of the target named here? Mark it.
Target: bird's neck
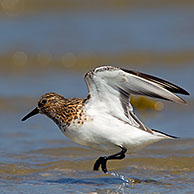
(64, 114)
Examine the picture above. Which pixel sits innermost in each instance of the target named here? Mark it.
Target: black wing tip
(179, 90)
(185, 92)
(171, 136)
(166, 84)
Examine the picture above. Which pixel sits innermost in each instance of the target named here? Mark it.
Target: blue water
(142, 30)
(35, 157)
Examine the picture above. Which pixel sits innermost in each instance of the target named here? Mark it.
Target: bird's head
(49, 104)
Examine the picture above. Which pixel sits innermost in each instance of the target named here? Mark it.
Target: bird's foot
(101, 162)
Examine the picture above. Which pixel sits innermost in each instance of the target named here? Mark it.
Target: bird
(105, 119)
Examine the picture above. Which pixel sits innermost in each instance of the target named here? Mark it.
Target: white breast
(102, 131)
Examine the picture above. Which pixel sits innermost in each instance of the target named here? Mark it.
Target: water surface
(43, 51)
(37, 158)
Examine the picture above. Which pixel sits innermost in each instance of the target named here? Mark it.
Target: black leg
(102, 160)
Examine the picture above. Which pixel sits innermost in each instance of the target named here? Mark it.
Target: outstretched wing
(113, 86)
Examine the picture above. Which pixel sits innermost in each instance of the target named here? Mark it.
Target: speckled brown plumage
(61, 110)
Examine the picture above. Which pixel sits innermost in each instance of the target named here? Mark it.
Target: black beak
(32, 113)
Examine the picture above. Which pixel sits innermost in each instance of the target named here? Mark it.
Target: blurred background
(48, 45)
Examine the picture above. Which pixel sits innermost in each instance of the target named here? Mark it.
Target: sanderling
(105, 119)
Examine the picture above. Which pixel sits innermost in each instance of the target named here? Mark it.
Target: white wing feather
(113, 86)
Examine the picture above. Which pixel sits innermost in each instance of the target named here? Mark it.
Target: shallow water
(50, 51)
(37, 158)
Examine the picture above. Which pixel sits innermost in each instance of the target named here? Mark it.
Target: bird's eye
(44, 101)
